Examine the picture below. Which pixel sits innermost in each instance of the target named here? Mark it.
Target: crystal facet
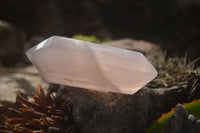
(87, 65)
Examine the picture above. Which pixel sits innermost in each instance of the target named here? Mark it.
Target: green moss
(91, 38)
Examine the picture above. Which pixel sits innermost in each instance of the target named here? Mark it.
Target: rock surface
(100, 112)
(181, 122)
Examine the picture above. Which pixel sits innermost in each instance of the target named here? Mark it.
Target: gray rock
(102, 112)
(180, 122)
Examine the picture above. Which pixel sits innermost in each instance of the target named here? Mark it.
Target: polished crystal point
(87, 65)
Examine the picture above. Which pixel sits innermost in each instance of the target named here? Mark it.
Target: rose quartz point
(87, 65)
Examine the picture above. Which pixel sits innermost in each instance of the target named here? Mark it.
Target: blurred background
(174, 25)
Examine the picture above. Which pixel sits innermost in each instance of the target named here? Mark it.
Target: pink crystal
(92, 66)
